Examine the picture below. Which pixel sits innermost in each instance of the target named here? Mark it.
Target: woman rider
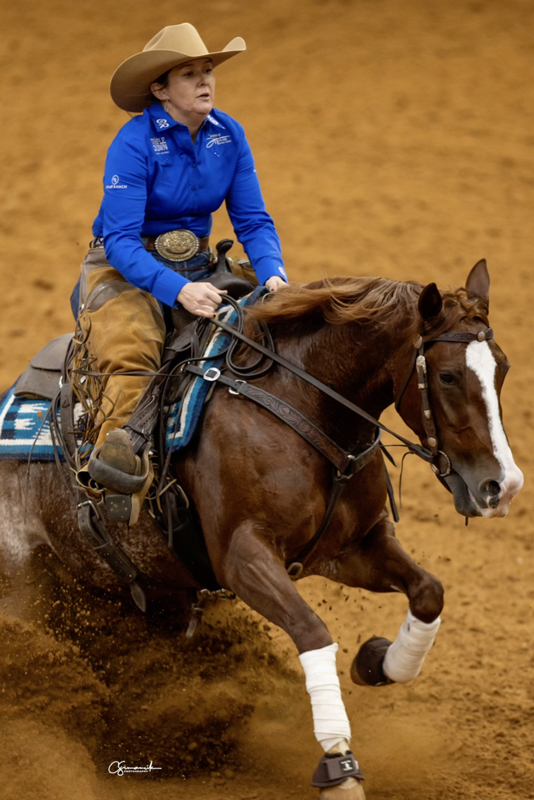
(166, 172)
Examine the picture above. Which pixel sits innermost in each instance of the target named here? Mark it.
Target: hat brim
(130, 83)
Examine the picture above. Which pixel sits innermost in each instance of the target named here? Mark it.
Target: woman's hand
(200, 298)
(275, 283)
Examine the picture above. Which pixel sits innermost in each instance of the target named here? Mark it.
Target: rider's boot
(115, 465)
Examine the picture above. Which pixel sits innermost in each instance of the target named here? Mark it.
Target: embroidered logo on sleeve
(115, 183)
(160, 145)
(162, 123)
(218, 138)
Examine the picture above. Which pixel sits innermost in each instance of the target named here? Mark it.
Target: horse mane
(380, 300)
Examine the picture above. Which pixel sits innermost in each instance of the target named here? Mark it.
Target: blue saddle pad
(184, 416)
(25, 429)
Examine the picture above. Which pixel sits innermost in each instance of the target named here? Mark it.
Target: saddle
(42, 376)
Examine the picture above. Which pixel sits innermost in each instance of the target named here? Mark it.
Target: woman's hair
(163, 80)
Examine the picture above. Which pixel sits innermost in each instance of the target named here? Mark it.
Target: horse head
(459, 414)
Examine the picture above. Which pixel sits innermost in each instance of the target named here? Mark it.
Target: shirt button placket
(194, 180)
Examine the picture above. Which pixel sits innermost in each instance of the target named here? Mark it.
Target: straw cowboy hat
(130, 84)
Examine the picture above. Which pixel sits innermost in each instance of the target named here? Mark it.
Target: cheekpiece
(177, 245)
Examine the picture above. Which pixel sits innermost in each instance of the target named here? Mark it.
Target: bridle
(441, 463)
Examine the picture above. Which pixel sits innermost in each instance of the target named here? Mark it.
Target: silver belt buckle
(177, 245)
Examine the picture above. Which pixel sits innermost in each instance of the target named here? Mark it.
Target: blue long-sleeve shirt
(157, 180)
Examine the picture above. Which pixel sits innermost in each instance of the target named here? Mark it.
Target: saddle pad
(184, 415)
(25, 429)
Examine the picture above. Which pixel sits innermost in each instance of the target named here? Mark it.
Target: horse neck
(361, 361)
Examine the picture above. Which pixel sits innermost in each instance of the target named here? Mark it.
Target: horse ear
(478, 280)
(430, 302)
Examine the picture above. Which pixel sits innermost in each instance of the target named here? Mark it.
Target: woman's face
(189, 94)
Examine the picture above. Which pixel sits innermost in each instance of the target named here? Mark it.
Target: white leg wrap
(405, 656)
(330, 722)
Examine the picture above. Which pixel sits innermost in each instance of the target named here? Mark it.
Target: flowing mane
(342, 300)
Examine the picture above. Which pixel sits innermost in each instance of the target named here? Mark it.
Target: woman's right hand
(201, 298)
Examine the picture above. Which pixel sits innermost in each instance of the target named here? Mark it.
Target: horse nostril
(491, 490)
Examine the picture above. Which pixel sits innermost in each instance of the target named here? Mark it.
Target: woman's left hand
(275, 283)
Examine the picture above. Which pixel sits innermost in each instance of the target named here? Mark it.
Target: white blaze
(479, 358)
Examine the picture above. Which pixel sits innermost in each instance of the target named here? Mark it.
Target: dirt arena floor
(393, 138)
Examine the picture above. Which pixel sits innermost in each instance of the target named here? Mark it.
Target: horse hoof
(351, 789)
(366, 669)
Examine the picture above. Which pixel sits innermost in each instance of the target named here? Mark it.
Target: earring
(166, 105)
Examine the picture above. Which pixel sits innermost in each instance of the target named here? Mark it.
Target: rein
(418, 450)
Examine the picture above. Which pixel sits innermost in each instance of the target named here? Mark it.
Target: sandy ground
(394, 138)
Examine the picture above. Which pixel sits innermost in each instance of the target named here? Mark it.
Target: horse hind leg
(258, 577)
(22, 535)
(379, 564)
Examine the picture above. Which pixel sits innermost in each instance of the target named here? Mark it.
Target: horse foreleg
(378, 563)
(258, 577)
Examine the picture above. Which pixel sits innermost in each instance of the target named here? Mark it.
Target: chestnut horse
(260, 490)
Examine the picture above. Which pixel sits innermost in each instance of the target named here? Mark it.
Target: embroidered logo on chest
(217, 138)
(160, 145)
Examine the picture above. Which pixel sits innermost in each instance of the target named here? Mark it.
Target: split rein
(417, 449)
(430, 454)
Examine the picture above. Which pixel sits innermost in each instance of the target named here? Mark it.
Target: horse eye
(447, 378)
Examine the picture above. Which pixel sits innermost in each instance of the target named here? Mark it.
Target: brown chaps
(123, 331)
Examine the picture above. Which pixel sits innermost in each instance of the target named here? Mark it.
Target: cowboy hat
(130, 84)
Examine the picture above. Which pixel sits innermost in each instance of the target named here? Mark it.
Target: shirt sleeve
(253, 226)
(125, 195)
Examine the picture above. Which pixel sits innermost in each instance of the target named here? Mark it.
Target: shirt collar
(161, 120)
(211, 118)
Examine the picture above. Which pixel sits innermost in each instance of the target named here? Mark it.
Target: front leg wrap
(330, 722)
(404, 658)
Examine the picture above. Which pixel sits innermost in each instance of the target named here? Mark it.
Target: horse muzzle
(488, 498)
(499, 495)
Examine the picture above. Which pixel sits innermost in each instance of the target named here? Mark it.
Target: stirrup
(127, 507)
(114, 478)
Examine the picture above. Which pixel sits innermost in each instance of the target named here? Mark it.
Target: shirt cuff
(168, 286)
(269, 268)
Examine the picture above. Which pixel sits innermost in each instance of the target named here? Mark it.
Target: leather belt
(176, 245)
